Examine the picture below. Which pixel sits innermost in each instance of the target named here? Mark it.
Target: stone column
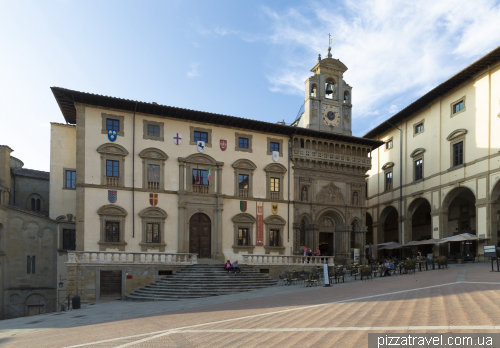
(183, 232)
(182, 168)
(219, 254)
(296, 239)
(219, 180)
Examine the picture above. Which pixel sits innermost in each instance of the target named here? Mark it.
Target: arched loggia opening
(369, 235)
(459, 208)
(495, 215)
(389, 229)
(421, 226)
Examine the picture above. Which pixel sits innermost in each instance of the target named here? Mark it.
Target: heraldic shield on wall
(200, 145)
(274, 208)
(177, 138)
(153, 199)
(243, 206)
(223, 144)
(112, 196)
(276, 156)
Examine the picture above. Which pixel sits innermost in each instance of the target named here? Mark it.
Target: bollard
(492, 265)
(76, 302)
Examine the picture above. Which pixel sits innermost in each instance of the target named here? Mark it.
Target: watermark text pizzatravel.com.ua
(434, 340)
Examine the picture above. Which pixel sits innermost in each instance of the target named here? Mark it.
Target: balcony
(243, 192)
(272, 260)
(200, 188)
(112, 181)
(131, 258)
(328, 156)
(153, 185)
(275, 195)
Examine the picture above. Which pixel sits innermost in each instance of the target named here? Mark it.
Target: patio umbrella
(428, 241)
(391, 246)
(410, 244)
(459, 238)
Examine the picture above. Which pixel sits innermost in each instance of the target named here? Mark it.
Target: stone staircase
(202, 281)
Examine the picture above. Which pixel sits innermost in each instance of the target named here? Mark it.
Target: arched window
(33, 204)
(28, 267)
(346, 97)
(302, 143)
(38, 205)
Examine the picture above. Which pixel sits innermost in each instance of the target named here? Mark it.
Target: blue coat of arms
(111, 135)
(112, 196)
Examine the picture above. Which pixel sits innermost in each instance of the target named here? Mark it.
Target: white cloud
(194, 71)
(395, 51)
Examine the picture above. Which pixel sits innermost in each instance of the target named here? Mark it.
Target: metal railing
(30, 307)
(243, 192)
(275, 195)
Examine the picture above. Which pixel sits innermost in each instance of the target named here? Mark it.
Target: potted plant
(459, 258)
(365, 271)
(410, 265)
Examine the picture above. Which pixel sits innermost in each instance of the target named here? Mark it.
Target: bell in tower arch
(329, 89)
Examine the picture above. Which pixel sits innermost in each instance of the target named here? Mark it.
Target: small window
(275, 185)
(458, 106)
(274, 238)
(201, 136)
(419, 128)
(153, 175)
(112, 231)
(301, 143)
(164, 272)
(458, 154)
(112, 169)
(153, 130)
(243, 236)
(388, 181)
(153, 233)
(418, 169)
(274, 147)
(243, 185)
(69, 239)
(200, 177)
(70, 179)
(243, 143)
(33, 204)
(113, 125)
(388, 145)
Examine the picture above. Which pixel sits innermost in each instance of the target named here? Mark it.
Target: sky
(240, 58)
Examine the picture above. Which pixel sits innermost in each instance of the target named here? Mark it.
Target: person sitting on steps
(227, 266)
(236, 267)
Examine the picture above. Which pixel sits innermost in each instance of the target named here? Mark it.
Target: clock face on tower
(331, 115)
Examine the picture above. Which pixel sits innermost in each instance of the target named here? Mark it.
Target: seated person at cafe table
(388, 266)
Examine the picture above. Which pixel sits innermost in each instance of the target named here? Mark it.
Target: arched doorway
(200, 235)
(495, 215)
(460, 217)
(421, 225)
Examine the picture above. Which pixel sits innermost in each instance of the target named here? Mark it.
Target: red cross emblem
(177, 138)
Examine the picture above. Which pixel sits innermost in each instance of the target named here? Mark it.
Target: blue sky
(239, 58)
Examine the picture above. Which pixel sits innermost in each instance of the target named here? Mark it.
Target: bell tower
(327, 104)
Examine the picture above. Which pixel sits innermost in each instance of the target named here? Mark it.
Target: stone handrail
(130, 258)
(331, 156)
(275, 260)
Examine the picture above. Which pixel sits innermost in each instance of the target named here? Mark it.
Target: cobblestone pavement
(463, 298)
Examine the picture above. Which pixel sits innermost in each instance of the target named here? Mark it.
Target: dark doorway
(326, 243)
(111, 285)
(200, 235)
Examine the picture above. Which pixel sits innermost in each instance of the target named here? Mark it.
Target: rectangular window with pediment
(153, 233)
(388, 181)
(274, 238)
(153, 176)
(112, 231)
(243, 237)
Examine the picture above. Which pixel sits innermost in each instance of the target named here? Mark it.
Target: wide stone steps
(202, 281)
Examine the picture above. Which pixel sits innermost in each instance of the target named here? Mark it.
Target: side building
(155, 187)
(446, 146)
(28, 258)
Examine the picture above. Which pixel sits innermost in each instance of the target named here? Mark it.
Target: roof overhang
(66, 100)
(472, 70)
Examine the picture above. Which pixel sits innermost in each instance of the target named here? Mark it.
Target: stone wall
(25, 188)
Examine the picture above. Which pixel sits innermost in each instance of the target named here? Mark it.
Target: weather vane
(330, 40)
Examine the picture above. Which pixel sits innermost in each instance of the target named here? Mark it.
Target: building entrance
(200, 235)
(326, 243)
